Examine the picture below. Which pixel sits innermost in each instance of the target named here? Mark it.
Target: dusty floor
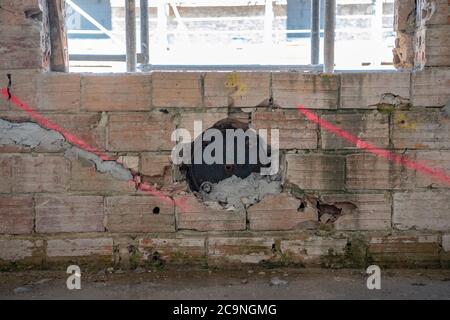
(214, 284)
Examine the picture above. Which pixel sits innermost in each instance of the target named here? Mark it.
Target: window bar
(330, 26)
(130, 26)
(145, 50)
(315, 31)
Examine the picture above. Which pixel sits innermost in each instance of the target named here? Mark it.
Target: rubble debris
(277, 282)
(115, 169)
(446, 110)
(329, 213)
(235, 193)
(390, 102)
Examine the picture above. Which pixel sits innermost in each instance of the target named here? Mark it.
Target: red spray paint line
(382, 153)
(74, 140)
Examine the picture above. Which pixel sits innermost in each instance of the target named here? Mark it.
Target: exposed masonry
(31, 135)
(230, 194)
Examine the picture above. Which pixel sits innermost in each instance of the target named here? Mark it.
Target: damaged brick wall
(339, 206)
(423, 33)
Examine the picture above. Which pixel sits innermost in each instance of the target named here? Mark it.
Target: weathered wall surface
(340, 206)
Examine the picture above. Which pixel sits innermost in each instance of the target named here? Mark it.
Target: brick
(432, 46)
(5, 174)
(66, 213)
(421, 130)
(316, 171)
(240, 250)
(365, 90)
(83, 247)
(446, 242)
(177, 89)
(445, 252)
(404, 12)
(173, 250)
(13, 15)
(236, 89)
(312, 250)
(432, 12)
(116, 92)
(197, 216)
(139, 214)
(295, 131)
(372, 127)
(138, 132)
(59, 92)
(404, 251)
(430, 87)
(428, 210)
(373, 211)
(368, 172)
(40, 174)
(208, 119)
(21, 47)
(281, 212)
(84, 177)
(155, 164)
(438, 160)
(313, 91)
(89, 127)
(16, 214)
(24, 86)
(14, 250)
(404, 50)
(129, 162)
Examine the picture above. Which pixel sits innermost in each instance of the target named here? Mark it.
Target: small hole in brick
(403, 122)
(156, 210)
(301, 208)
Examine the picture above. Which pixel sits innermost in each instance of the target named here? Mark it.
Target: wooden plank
(59, 58)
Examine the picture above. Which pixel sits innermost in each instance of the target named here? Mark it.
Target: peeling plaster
(31, 135)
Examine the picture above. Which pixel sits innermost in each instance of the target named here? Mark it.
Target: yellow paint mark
(234, 82)
(402, 121)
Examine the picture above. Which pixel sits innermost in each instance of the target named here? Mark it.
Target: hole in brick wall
(234, 184)
(156, 210)
(301, 207)
(34, 14)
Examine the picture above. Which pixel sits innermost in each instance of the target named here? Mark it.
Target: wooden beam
(59, 58)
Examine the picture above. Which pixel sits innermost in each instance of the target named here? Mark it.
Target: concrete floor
(240, 285)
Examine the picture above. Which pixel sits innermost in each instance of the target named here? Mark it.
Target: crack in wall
(31, 135)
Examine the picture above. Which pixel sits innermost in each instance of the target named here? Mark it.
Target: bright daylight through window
(227, 33)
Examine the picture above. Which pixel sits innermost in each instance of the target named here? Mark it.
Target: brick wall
(339, 207)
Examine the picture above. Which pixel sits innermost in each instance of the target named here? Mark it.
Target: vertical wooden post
(130, 22)
(330, 26)
(315, 31)
(59, 58)
(145, 49)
